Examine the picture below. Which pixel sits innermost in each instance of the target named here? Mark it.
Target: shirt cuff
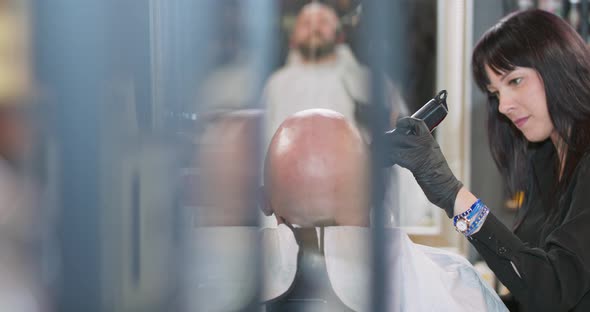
(498, 238)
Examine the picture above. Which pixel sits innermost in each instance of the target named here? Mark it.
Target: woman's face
(521, 98)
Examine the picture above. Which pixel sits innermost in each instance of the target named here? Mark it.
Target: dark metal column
(383, 34)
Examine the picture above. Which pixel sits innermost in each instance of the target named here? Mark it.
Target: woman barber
(536, 71)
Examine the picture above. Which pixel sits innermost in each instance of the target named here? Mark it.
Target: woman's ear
(264, 202)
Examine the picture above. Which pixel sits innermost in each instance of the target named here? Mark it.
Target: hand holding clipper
(412, 146)
(433, 112)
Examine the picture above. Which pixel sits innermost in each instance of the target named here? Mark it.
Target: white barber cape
(422, 278)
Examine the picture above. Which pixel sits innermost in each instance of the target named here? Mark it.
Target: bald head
(316, 32)
(316, 171)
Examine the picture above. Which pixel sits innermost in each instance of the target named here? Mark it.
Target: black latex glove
(413, 147)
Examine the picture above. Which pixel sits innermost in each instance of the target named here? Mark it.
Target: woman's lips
(521, 121)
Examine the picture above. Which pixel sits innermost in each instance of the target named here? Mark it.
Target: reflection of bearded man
(316, 32)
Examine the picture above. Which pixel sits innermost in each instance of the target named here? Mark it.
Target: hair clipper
(433, 112)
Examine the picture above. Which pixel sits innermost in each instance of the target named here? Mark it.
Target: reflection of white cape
(222, 274)
(421, 278)
(20, 227)
(334, 85)
(299, 86)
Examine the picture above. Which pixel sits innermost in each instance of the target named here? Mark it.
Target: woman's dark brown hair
(542, 41)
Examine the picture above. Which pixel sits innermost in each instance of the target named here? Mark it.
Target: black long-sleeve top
(545, 265)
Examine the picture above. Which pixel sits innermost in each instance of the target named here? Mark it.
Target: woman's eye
(493, 95)
(515, 81)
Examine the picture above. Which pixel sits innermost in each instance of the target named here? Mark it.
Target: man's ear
(264, 202)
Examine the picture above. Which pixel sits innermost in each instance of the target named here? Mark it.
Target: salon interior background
(115, 87)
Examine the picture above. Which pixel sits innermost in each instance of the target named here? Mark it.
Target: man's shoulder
(282, 73)
(278, 80)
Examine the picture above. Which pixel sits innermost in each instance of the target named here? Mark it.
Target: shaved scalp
(316, 170)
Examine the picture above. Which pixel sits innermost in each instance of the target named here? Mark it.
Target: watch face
(462, 225)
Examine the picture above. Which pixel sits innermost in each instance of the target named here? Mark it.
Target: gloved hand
(413, 147)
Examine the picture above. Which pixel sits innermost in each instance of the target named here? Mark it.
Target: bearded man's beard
(312, 52)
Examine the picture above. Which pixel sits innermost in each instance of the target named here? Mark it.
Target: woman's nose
(506, 104)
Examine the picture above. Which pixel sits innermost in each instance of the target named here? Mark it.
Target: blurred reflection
(228, 170)
(23, 222)
(321, 72)
(222, 249)
(228, 84)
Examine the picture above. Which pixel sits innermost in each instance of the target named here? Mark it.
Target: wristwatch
(462, 224)
(470, 220)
